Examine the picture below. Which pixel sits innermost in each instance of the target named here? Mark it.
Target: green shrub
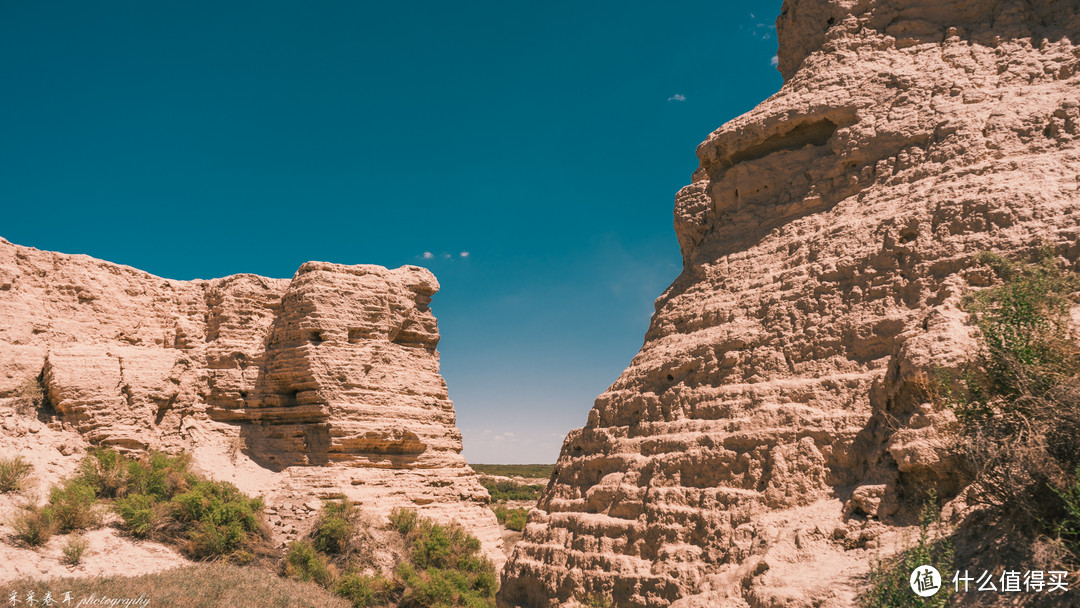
(159, 475)
(442, 566)
(507, 489)
(220, 519)
(889, 580)
(74, 550)
(142, 515)
(337, 524)
(74, 506)
(365, 591)
(13, 472)
(113, 475)
(34, 525)
(106, 471)
(303, 562)
(445, 568)
(405, 520)
(157, 495)
(513, 519)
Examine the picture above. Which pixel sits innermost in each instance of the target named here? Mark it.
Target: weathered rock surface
(325, 385)
(774, 417)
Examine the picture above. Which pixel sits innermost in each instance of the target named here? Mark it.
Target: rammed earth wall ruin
(751, 450)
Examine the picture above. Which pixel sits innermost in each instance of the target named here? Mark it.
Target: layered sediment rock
(324, 385)
(774, 417)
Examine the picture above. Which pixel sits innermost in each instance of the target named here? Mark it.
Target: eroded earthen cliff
(772, 418)
(325, 385)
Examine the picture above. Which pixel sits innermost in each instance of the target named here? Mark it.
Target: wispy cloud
(677, 97)
(428, 255)
(757, 29)
(775, 61)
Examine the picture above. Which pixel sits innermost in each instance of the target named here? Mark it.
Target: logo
(925, 581)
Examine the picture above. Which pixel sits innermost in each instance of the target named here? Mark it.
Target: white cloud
(774, 61)
(677, 97)
(446, 256)
(464, 254)
(428, 255)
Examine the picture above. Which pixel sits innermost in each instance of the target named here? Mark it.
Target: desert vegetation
(1018, 403)
(509, 489)
(29, 398)
(437, 565)
(889, 578)
(512, 518)
(505, 492)
(532, 471)
(13, 474)
(1017, 407)
(155, 496)
(202, 585)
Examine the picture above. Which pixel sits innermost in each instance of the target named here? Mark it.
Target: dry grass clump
(74, 550)
(29, 398)
(208, 585)
(1018, 404)
(34, 525)
(13, 474)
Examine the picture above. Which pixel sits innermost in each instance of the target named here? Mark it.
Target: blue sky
(546, 139)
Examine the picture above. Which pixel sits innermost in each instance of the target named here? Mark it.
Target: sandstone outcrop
(325, 385)
(761, 446)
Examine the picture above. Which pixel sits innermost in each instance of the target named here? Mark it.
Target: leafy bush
(889, 585)
(157, 495)
(113, 475)
(106, 471)
(34, 525)
(442, 566)
(13, 472)
(336, 525)
(74, 506)
(365, 591)
(221, 520)
(507, 489)
(445, 568)
(143, 516)
(513, 519)
(405, 520)
(303, 562)
(74, 550)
